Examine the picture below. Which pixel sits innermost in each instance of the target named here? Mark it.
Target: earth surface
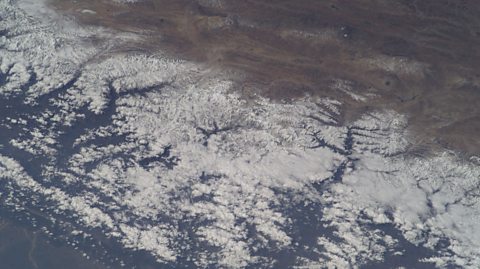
(239, 134)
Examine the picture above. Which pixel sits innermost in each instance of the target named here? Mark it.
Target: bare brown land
(421, 58)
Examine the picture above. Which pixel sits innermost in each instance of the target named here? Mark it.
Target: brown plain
(421, 58)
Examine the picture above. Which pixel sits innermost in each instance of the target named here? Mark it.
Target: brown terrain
(421, 58)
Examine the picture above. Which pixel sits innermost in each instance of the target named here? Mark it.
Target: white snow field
(163, 156)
